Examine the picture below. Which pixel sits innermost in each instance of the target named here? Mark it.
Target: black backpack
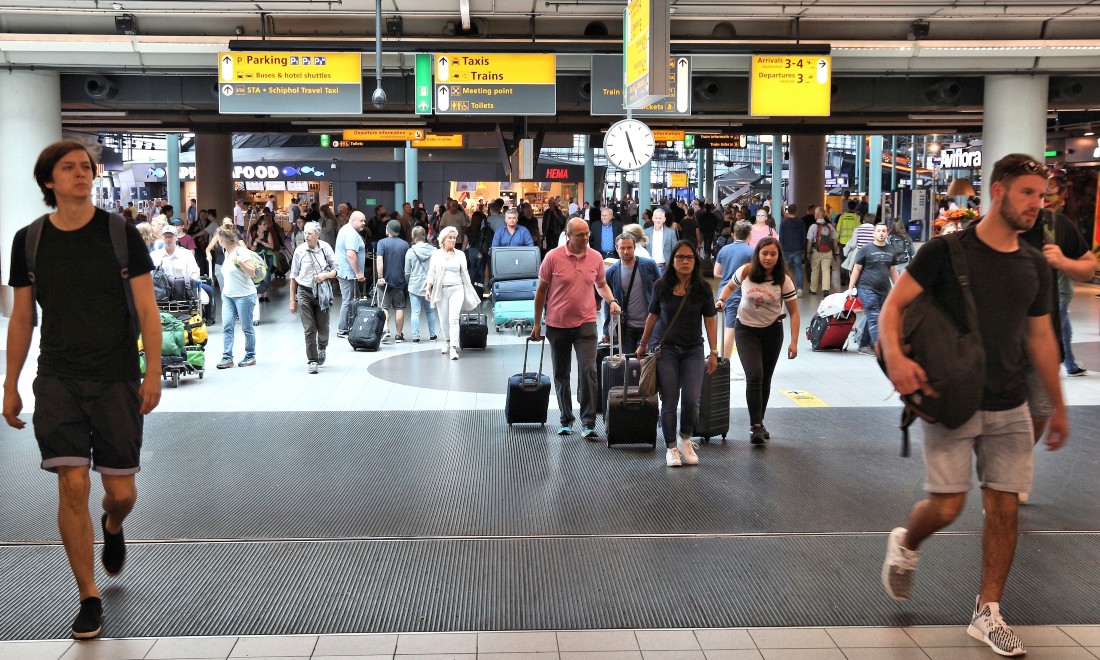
(952, 357)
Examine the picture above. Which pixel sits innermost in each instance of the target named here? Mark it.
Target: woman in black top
(680, 368)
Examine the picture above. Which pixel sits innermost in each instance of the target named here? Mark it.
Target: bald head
(356, 219)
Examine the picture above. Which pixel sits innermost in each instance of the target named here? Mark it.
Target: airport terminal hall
(550, 329)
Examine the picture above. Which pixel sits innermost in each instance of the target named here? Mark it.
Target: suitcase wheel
(704, 441)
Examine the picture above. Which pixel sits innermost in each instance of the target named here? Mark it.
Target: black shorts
(395, 298)
(85, 422)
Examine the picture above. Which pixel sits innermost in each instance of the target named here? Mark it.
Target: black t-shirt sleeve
(930, 264)
(140, 261)
(1069, 238)
(19, 275)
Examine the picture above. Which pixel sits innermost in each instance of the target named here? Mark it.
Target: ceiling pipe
(379, 97)
(464, 13)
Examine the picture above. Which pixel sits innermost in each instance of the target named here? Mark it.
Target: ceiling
(872, 42)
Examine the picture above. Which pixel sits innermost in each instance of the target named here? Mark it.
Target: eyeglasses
(684, 257)
(1027, 167)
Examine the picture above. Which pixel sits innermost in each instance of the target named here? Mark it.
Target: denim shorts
(1038, 400)
(1002, 442)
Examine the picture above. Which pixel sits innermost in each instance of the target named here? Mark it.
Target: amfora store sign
(960, 159)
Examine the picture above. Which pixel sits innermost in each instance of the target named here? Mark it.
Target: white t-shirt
(238, 216)
(180, 264)
(761, 303)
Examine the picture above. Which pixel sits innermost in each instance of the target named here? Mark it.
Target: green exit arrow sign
(423, 84)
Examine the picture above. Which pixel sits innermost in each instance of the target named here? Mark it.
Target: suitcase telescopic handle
(542, 353)
(617, 357)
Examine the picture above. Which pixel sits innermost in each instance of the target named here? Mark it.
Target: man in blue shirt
(512, 234)
(351, 260)
(729, 259)
(602, 235)
(390, 264)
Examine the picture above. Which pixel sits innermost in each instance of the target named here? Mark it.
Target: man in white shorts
(1011, 286)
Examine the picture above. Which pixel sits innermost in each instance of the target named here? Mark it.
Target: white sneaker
(446, 347)
(800, 293)
(899, 566)
(687, 452)
(387, 338)
(454, 353)
(312, 367)
(987, 626)
(672, 457)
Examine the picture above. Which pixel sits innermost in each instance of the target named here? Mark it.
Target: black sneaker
(89, 621)
(416, 340)
(757, 435)
(321, 356)
(114, 549)
(399, 338)
(433, 337)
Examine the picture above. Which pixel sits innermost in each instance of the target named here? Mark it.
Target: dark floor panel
(399, 474)
(389, 586)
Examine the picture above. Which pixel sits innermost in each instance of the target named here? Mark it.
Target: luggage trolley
(172, 368)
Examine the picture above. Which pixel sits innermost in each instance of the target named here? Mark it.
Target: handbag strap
(630, 285)
(962, 274)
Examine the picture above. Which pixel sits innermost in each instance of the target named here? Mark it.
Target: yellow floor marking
(804, 398)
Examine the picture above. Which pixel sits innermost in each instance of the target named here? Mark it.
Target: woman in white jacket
(449, 288)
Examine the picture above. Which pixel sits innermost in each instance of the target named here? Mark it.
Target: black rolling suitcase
(602, 351)
(367, 326)
(613, 364)
(631, 418)
(714, 400)
(473, 331)
(528, 392)
(516, 263)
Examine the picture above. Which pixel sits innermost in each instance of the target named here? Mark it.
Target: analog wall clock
(629, 144)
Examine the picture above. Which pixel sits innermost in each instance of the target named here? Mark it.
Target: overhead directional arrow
(227, 68)
(227, 90)
(442, 69)
(422, 106)
(683, 81)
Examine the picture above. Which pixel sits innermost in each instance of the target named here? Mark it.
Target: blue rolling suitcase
(528, 392)
(506, 290)
(518, 313)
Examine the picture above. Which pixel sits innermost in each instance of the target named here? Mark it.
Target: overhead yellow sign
(440, 141)
(637, 49)
(677, 180)
(790, 85)
(385, 134)
(662, 135)
(287, 67)
(472, 68)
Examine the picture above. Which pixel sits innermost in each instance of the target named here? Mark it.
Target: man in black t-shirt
(873, 275)
(1011, 286)
(88, 400)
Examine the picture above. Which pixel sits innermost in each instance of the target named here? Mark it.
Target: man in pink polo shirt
(566, 278)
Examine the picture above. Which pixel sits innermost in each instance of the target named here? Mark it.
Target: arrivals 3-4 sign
(290, 83)
(495, 84)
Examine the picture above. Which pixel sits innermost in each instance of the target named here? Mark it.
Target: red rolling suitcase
(830, 332)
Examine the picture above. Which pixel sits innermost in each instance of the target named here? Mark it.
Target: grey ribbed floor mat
(403, 474)
(529, 584)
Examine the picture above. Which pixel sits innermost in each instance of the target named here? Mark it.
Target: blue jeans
(794, 264)
(242, 307)
(680, 380)
(1067, 338)
(872, 305)
(417, 303)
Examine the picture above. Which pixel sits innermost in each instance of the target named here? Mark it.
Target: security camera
(238, 30)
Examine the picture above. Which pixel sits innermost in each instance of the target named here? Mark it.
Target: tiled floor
(1061, 643)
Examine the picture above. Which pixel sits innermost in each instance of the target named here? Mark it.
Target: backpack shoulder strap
(33, 237)
(962, 274)
(122, 253)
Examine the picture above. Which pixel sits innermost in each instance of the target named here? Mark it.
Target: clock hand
(630, 145)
